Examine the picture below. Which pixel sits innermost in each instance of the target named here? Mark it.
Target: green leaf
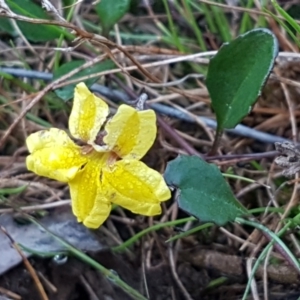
(6, 26)
(237, 73)
(110, 12)
(202, 190)
(33, 32)
(67, 92)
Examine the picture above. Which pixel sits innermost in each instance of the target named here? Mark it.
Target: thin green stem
(191, 20)
(42, 253)
(155, 227)
(265, 209)
(274, 236)
(286, 16)
(222, 23)
(286, 27)
(62, 36)
(12, 191)
(246, 20)
(85, 258)
(209, 20)
(234, 176)
(175, 37)
(261, 258)
(216, 143)
(189, 232)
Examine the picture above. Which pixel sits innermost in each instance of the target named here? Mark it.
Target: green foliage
(6, 26)
(237, 73)
(12, 191)
(234, 80)
(296, 219)
(33, 32)
(202, 190)
(66, 93)
(275, 238)
(292, 23)
(110, 12)
(216, 21)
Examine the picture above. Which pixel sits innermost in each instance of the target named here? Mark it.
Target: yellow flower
(99, 175)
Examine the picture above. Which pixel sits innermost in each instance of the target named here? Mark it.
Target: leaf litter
(157, 269)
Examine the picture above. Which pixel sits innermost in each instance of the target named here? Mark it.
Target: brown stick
(234, 265)
(28, 266)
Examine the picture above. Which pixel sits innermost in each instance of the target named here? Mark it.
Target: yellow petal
(131, 184)
(99, 212)
(49, 138)
(88, 114)
(85, 189)
(130, 133)
(53, 155)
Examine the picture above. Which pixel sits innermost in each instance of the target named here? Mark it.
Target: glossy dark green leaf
(202, 191)
(238, 72)
(67, 92)
(33, 32)
(110, 12)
